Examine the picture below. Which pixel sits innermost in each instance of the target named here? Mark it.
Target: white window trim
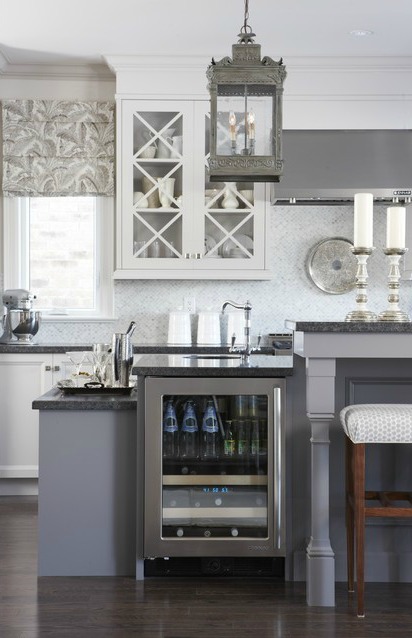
(14, 233)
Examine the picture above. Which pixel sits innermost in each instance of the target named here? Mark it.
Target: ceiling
(82, 31)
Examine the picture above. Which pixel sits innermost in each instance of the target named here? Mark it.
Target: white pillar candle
(395, 227)
(232, 126)
(363, 220)
(251, 125)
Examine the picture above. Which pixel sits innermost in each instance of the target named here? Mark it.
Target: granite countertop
(386, 327)
(55, 399)
(19, 348)
(169, 365)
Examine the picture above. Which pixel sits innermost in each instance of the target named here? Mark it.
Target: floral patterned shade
(58, 148)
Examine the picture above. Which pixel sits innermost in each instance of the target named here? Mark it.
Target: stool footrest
(388, 508)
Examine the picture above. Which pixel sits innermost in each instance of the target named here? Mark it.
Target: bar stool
(363, 424)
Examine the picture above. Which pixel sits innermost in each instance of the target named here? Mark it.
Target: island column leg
(320, 558)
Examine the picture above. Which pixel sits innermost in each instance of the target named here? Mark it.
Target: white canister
(208, 328)
(236, 326)
(180, 333)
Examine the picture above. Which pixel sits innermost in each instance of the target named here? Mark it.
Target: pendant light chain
(245, 24)
(246, 36)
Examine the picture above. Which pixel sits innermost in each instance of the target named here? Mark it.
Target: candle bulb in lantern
(363, 220)
(251, 125)
(395, 227)
(232, 126)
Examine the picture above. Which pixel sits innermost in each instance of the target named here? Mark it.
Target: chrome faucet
(245, 351)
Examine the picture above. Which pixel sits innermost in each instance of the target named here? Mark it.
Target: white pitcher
(177, 144)
(163, 151)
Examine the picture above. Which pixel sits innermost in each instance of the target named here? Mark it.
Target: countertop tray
(88, 391)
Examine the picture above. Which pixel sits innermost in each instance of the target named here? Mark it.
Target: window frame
(15, 256)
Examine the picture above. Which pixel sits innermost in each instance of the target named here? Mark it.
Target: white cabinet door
(172, 222)
(23, 378)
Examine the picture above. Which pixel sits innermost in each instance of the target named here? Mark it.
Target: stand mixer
(20, 321)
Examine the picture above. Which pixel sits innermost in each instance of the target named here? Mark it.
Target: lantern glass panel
(245, 117)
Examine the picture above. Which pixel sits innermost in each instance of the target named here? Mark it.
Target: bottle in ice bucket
(189, 434)
(170, 432)
(210, 433)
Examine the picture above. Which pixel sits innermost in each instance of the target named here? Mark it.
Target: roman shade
(58, 148)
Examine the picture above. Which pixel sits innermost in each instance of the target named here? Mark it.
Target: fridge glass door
(215, 466)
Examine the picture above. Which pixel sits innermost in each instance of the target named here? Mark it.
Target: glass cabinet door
(156, 175)
(157, 184)
(233, 214)
(229, 215)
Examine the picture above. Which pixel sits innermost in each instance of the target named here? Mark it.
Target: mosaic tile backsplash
(290, 294)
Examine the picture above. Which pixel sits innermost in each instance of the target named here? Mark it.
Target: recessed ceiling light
(360, 33)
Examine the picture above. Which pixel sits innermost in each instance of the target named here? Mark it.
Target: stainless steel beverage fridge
(214, 467)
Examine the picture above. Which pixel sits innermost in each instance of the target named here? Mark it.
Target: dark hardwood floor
(173, 607)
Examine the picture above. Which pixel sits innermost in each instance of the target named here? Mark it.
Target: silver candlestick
(361, 313)
(393, 312)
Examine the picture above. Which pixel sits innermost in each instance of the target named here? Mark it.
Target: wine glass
(77, 358)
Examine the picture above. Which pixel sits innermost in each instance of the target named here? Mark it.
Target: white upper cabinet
(172, 222)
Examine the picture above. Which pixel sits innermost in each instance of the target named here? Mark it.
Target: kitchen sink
(211, 356)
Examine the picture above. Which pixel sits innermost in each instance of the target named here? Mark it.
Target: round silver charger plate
(332, 266)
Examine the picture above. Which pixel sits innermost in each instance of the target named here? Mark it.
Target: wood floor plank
(170, 607)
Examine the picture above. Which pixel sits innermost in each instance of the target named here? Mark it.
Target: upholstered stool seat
(370, 424)
(378, 423)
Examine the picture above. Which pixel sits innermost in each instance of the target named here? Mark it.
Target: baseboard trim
(380, 567)
(19, 487)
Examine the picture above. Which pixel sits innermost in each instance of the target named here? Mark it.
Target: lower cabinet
(87, 493)
(23, 378)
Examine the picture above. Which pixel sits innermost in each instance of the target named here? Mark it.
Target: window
(61, 249)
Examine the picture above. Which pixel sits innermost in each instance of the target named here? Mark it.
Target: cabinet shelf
(162, 209)
(158, 160)
(238, 514)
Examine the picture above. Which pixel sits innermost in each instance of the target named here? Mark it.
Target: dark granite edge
(14, 348)
(383, 327)
(159, 371)
(55, 399)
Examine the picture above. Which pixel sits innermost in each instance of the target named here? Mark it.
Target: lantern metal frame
(232, 77)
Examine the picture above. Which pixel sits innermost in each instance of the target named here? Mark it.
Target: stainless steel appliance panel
(214, 507)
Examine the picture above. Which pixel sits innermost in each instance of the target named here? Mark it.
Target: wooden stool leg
(350, 530)
(359, 492)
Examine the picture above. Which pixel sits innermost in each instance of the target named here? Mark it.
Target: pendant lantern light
(246, 113)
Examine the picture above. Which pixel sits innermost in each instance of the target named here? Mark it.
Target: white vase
(166, 190)
(229, 199)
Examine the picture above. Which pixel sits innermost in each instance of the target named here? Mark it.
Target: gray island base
(346, 363)
(91, 469)
(87, 485)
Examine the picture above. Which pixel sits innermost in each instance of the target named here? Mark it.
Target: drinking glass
(101, 357)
